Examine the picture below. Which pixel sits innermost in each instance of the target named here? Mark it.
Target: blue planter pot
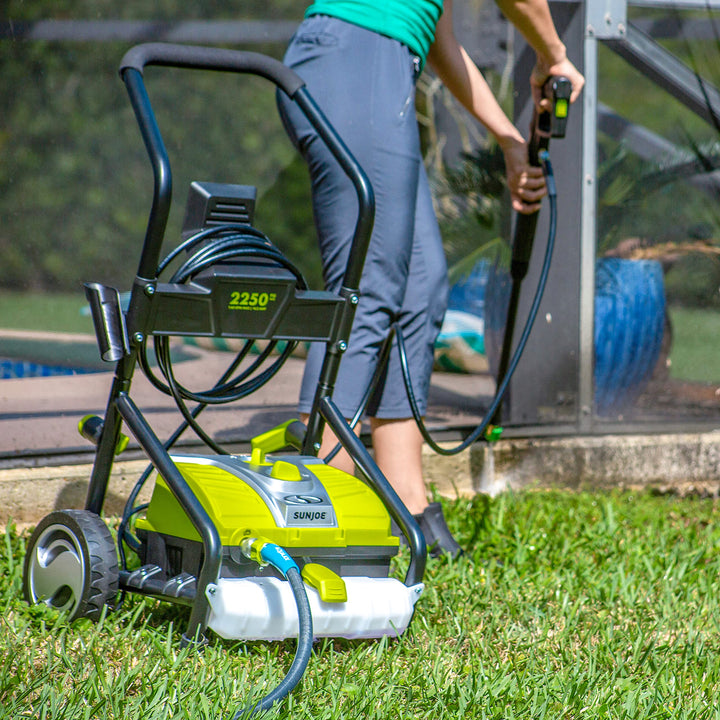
(629, 326)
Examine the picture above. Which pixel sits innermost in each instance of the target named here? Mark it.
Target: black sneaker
(438, 537)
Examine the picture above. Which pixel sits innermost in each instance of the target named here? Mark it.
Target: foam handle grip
(211, 58)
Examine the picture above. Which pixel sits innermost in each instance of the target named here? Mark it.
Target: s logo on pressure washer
(303, 500)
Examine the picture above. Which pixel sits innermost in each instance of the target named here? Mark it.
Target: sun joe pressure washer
(260, 546)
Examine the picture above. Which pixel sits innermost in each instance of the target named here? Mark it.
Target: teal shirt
(411, 22)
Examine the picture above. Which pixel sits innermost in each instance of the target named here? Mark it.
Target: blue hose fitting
(279, 558)
(264, 552)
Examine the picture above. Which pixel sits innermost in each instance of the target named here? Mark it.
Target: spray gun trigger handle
(557, 89)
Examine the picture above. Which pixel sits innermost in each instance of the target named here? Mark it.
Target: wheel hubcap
(57, 570)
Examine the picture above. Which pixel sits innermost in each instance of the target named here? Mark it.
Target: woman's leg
(397, 440)
(364, 83)
(398, 453)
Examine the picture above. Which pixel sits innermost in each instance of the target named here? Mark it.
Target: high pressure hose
(544, 125)
(522, 342)
(230, 244)
(267, 553)
(502, 388)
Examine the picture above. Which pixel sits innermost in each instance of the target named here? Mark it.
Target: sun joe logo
(246, 300)
(303, 510)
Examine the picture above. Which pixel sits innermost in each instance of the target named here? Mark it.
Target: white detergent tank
(265, 609)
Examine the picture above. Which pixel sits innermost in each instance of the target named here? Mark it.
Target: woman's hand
(543, 70)
(525, 182)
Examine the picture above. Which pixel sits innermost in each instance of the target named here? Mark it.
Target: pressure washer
(266, 545)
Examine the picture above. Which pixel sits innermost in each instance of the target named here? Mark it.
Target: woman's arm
(465, 81)
(534, 21)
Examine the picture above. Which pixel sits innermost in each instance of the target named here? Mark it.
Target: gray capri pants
(365, 84)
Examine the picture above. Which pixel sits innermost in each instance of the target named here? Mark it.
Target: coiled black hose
(232, 244)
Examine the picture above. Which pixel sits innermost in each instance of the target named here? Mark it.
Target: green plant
(472, 214)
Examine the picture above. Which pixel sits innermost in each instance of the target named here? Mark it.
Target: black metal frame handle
(206, 58)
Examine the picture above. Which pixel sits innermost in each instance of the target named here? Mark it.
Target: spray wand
(544, 125)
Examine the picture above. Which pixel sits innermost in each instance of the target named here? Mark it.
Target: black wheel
(71, 564)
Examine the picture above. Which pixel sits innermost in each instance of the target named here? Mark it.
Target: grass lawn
(696, 344)
(568, 605)
(58, 312)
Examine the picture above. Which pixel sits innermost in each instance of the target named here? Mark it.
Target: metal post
(588, 230)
